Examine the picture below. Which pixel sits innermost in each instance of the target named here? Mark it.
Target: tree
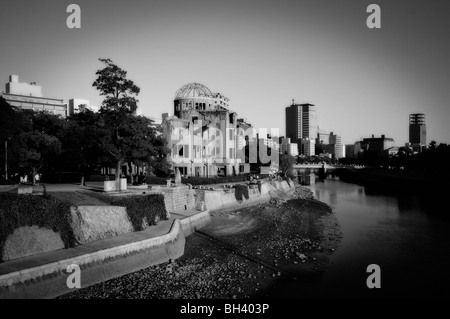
(34, 148)
(119, 91)
(82, 150)
(119, 103)
(131, 138)
(286, 163)
(8, 120)
(141, 143)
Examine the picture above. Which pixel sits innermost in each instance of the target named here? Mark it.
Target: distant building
(29, 96)
(379, 144)
(417, 129)
(242, 139)
(287, 147)
(74, 106)
(392, 151)
(323, 136)
(301, 124)
(270, 143)
(308, 147)
(338, 150)
(328, 142)
(417, 132)
(358, 148)
(350, 151)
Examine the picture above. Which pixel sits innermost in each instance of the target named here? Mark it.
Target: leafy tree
(131, 138)
(8, 120)
(119, 103)
(33, 148)
(34, 141)
(81, 148)
(286, 163)
(140, 143)
(158, 159)
(119, 91)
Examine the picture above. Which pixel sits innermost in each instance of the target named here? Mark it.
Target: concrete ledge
(191, 224)
(25, 189)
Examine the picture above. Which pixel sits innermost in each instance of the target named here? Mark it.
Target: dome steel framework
(193, 90)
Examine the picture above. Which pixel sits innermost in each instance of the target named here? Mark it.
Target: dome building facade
(202, 134)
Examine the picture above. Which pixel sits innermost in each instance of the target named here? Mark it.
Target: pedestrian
(37, 178)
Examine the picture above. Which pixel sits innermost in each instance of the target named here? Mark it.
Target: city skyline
(261, 56)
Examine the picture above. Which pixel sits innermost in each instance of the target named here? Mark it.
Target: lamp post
(6, 159)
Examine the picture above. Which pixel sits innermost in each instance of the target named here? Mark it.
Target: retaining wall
(97, 222)
(179, 198)
(220, 198)
(30, 240)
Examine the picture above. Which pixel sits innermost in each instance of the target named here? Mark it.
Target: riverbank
(243, 253)
(392, 180)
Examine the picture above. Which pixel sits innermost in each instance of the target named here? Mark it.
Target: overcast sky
(260, 54)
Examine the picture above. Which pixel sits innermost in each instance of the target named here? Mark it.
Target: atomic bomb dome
(193, 90)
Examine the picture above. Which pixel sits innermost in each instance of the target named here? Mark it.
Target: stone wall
(30, 240)
(179, 198)
(220, 198)
(97, 222)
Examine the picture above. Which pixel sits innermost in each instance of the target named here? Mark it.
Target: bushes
(10, 181)
(240, 192)
(61, 177)
(28, 210)
(214, 180)
(150, 208)
(156, 180)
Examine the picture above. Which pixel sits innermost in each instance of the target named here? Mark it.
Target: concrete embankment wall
(226, 198)
(177, 198)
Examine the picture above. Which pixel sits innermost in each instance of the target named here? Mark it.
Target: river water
(407, 235)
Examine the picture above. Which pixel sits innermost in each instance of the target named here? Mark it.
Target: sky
(260, 54)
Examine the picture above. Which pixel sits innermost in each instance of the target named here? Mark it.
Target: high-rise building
(338, 148)
(29, 96)
(301, 123)
(417, 129)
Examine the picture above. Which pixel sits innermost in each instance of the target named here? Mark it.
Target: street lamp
(6, 157)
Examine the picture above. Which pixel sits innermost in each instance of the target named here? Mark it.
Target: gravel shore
(246, 253)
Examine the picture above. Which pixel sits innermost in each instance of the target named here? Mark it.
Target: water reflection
(405, 234)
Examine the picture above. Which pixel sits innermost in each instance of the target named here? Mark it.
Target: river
(407, 235)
